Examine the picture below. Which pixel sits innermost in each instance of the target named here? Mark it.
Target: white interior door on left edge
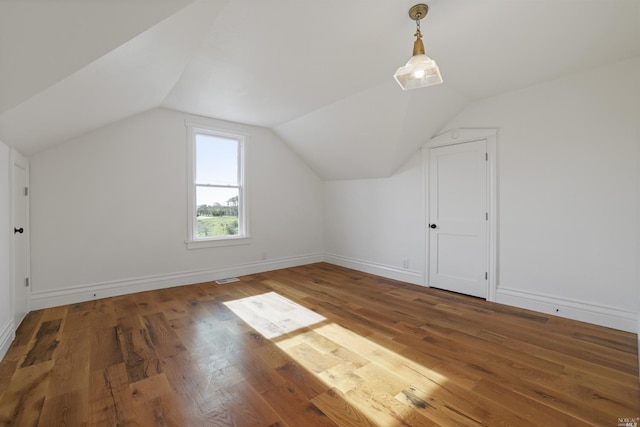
(458, 218)
(20, 198)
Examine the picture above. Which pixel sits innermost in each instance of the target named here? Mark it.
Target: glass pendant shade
(420, 71)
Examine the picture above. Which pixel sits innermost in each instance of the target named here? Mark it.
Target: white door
(20, 238)
(458, 218)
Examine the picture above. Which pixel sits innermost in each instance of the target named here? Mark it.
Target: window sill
(214, 243)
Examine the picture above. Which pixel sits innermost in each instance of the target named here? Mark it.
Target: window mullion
(217, 186)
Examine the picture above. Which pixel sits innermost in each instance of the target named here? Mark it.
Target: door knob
(18, 230)
(432, 225)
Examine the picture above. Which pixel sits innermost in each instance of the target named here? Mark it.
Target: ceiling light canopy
(420, 70)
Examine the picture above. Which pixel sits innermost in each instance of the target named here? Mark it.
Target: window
(217, 203)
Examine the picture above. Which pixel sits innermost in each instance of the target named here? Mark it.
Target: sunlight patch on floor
(381, 384)
(273, 315)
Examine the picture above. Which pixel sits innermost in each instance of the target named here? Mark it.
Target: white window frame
(243, 238)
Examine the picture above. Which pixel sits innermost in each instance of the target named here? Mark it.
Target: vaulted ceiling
(319, 74)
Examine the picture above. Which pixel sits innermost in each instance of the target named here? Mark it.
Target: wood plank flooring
(344, 348)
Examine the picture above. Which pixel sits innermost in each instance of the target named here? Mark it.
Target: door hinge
(486, 216)
(26, 191)
(486, 275)
(26, 282)
(486, 157)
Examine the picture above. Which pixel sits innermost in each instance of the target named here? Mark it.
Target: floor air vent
(228, 280)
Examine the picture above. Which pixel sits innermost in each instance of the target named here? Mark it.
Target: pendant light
(420, 71)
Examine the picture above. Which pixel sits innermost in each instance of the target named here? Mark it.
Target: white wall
(109, 211)
(375, 225)
(6, 314)
(568, 198)
(568, 186)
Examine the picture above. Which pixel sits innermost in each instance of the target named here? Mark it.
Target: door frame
(17, 159)
(461, 136)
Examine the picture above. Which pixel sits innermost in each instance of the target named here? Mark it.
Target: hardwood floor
(336, 347)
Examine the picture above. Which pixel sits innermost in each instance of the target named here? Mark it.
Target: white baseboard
(551, 304)
(577, 310)
(76, 294)
(7, 334)
(403, 274)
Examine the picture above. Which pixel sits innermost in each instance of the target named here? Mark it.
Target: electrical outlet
(405, 263)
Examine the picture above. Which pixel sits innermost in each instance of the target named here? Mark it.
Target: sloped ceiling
(318, 73)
